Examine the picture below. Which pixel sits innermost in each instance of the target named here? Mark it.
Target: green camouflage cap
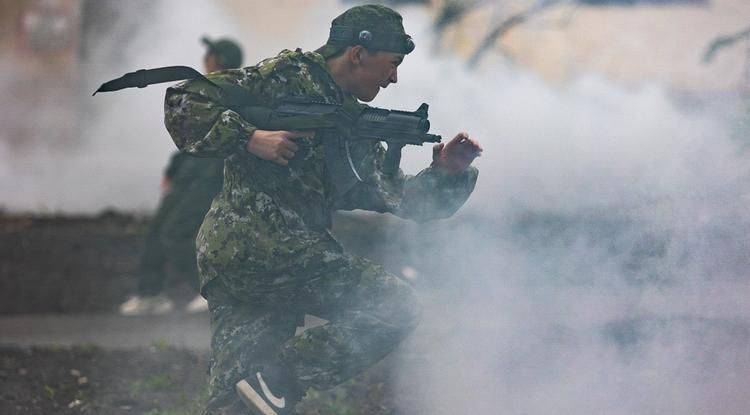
(373, 26)
(228, 53)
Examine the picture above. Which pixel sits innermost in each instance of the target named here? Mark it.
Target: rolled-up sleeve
(431, 194)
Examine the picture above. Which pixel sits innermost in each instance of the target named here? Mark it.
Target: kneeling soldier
(265, 253)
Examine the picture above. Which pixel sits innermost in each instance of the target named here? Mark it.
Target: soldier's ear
(356, 54)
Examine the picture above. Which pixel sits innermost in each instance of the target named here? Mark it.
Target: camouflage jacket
(189, 172)
(267, 215)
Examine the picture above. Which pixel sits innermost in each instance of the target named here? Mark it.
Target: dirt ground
(159, 380)
(89, 380)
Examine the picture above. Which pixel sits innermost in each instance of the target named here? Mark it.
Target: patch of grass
(169, 412)
(154, 383)
(49, 391)
(86, 349)
(334, 402)
(160, 345)
(55, 347)
(191, 406)
(176, 411)
(365, 394)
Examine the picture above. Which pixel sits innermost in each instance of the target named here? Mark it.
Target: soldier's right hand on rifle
(275, 146)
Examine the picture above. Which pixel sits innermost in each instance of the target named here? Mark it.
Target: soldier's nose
(394, 77)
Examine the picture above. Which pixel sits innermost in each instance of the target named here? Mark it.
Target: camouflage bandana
(373, 26)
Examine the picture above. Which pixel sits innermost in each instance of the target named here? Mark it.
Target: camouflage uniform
(171, 235)
(265, 253)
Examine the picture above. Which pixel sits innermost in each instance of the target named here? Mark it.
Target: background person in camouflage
(188, 186)
(265, 253)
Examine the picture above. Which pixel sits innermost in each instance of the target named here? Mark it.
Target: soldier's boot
(270, 392)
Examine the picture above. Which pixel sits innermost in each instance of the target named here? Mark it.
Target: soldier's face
(210, 63)
(373, 71)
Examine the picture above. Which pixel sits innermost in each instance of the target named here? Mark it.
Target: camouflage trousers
(369, 311)
(171, 235)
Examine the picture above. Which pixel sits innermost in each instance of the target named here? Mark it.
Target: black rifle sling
(145, 77)
(235, 95)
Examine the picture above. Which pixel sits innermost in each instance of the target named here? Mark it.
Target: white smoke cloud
(600, 267)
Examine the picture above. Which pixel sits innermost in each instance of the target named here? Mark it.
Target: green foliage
(153, 383)
(160, 345)
(189, 406)
(361, 395)
(82, 395)
(49, 391)
(86, 349)
(333, 403)
(175, 411)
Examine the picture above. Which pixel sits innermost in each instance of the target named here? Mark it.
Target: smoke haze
(601, 266)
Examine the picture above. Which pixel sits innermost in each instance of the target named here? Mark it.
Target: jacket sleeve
(431, 194)
(200, 122)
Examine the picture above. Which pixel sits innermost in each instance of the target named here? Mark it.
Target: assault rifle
(350, 123)
(353, 123)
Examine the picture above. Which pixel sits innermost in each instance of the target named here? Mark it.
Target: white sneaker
(256, 394)
(197, 305)
(141, 306)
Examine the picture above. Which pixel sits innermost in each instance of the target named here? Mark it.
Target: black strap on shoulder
(235, 95)
(145, 77)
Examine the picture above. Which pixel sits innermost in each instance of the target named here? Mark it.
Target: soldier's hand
(457, 154)
(165, 185)
(275, 146)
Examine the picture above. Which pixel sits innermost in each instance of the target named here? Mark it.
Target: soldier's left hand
(457, 154)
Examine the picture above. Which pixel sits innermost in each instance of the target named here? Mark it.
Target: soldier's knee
(390, 299)
(406, 310)
(415, 311)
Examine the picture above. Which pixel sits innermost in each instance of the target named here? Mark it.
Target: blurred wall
(635, 44)
(39, 42)
(282, 23)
